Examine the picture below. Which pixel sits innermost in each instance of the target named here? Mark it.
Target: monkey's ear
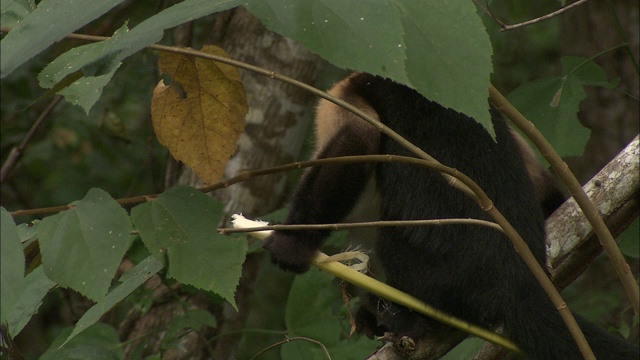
(293, 250)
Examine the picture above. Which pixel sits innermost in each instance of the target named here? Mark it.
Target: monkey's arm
(325, 194)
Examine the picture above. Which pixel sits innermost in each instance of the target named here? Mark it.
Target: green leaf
(586, 72)
(48, 23)
(100, 60)
(130, 281)
(629, 240)
(83, 246)
(99, 342)
(192, 319)
(315, 311)
(28, 233)
(22, 305)
(347, 35)
(467, 349)
(20, 296)
(12, 264)
(449, 55)
(87, 90)
(151, 30)
(13, 11)
(181, 223)
(552, 103)
(440, 48)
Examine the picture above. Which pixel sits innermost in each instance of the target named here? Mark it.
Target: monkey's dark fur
(471, 272)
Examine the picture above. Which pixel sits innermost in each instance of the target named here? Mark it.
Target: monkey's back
(468, 270)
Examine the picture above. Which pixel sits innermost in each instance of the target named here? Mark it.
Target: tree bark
(277, 123)
(279, 114)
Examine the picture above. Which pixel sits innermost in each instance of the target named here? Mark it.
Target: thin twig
(246, 175)
(365, 224)
(487, 10)
(16, 152)
(507, 27)
(288, 339)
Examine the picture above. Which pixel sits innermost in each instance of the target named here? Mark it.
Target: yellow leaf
(200, 115)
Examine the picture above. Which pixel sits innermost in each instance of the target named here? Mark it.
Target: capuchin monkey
(468, 271)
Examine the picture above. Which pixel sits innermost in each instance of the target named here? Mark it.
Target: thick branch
(614, 191)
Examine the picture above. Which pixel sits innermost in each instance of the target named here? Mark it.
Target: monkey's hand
(293, 250)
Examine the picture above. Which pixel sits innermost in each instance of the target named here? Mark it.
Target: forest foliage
(197, 109)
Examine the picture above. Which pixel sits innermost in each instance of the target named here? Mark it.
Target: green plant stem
(368, 283)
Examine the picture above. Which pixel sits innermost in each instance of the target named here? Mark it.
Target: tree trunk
(277, 123)
(279, 114)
